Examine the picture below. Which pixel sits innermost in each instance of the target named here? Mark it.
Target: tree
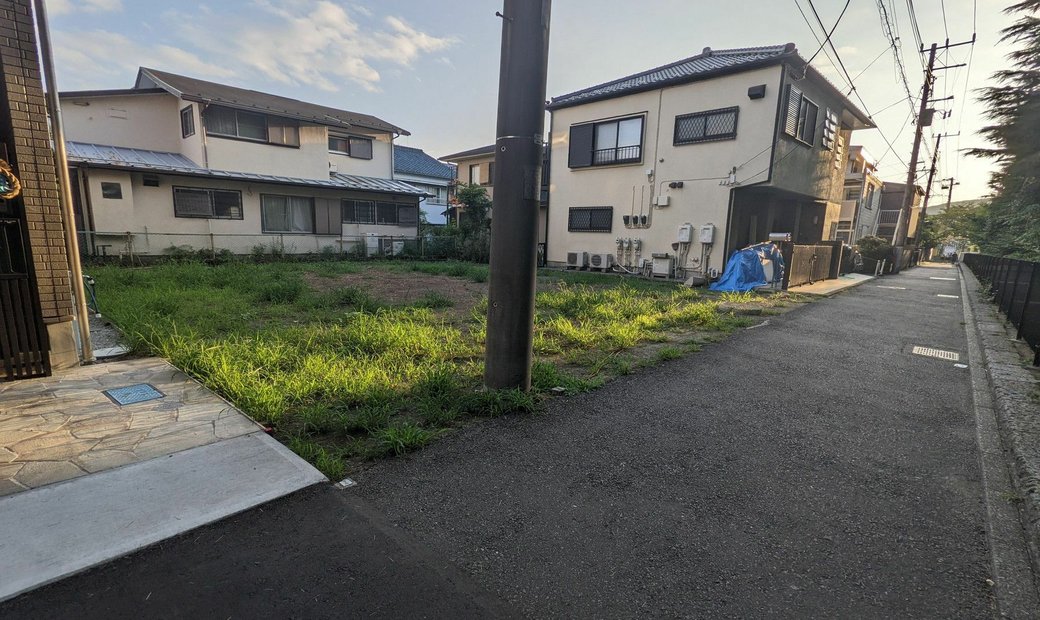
(1010, 224)
(469, 236)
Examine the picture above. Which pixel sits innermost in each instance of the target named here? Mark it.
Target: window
(111, 190)
(150, 180)
(800, 121)
(187, 122)
(608, 142)
(386, 213)
(207, 203)
(474, 174)
(491, 173)
(351, 146)
(407, 215)
(830, 130)
(706, 126)
(287, 214)
(590, 219)
(229, 123)
(852, 194)
(868, 202)
(283, 131)
(359, 212)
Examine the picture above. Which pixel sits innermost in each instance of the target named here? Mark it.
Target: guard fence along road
(1015, 285)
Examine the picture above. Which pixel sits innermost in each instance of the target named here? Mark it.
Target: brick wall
(33, 157)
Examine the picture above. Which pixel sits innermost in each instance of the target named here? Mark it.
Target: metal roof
(409, 160)
(477, 152)
(706, 64)
(193, 89)
(143, 160)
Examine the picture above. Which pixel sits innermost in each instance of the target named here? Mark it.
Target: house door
(23, 335)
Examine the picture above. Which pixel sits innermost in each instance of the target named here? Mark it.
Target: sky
(431, 66)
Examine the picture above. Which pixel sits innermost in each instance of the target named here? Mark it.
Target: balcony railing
(618, 155)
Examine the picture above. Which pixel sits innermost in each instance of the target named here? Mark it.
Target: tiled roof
(174, 163)
(709, 63)
(477, 152)
(194, 89)
(409, 160)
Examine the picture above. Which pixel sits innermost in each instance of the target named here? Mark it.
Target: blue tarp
(744, 270)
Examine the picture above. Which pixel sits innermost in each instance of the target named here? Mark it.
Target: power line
(827, 39)
(815, 36)
(890, 32)
(942, 4)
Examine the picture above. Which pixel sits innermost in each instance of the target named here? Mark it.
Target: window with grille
(359, 212)
(386, 213)
(215, 204)
(287, 214)
(706, 126)
(590, 219)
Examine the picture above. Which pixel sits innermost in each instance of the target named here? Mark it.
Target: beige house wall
(484, 166)
(148, 213)
(138, 121)
(631, 189)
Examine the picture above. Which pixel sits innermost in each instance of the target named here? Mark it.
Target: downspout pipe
(61, 164)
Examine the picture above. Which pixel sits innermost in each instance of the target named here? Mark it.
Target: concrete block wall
(33, 160)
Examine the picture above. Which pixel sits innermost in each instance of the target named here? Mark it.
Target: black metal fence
(1015, 286)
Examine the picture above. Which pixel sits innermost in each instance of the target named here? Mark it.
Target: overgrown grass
(342, 376)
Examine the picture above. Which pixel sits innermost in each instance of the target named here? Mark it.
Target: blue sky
(432, 66)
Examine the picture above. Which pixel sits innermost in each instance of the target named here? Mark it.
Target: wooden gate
(23, 335)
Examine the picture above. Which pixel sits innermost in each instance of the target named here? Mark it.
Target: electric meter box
(686, 233)
(707, 234)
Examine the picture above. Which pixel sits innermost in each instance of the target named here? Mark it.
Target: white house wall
(138, 121)
(381, 164)
(309, 161)
(702, 167)
(148, 213)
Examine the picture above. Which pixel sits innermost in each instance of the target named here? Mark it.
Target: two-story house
(890, 212)
(669, 170)
(862, 203)
(434, 177)
(177, 161)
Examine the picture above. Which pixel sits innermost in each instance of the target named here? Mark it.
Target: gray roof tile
(409, 160)
(174, 163)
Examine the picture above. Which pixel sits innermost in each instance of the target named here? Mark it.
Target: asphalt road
(811, 467)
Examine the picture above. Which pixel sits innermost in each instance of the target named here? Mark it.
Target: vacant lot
(349, 361)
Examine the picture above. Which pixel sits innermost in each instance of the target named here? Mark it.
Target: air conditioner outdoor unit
(577, 260)
(390, 247)
(601, 261)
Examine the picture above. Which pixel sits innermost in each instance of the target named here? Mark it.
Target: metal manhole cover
(936, 353)
(133, 394)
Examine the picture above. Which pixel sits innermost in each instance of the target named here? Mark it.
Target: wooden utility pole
(514, 222)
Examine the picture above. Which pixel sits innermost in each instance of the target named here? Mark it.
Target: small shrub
(668, 353)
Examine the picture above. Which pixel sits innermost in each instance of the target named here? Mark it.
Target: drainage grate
(937, 353)
(133, 394)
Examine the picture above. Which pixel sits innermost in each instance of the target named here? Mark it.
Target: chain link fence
(139, 247)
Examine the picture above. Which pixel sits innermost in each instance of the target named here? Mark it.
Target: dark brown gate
(23, 336)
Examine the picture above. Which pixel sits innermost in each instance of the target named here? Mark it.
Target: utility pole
(924, 119)
(514, 224)
(949, 183)
(932, 170)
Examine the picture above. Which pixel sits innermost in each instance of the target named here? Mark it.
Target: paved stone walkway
(62, 427)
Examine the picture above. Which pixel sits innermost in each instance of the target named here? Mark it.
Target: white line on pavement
(950, 296)
(938, 278)
(897, 288)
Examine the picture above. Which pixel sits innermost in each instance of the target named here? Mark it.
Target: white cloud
(64, 7)
(316, 43)
(99, 58)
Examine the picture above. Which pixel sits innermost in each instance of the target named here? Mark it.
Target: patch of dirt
(402, 288)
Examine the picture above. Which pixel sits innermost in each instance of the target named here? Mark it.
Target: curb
(1009, 453)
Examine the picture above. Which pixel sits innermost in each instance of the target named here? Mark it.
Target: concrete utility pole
(923, 119)
(950, 183)
(514, 221)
